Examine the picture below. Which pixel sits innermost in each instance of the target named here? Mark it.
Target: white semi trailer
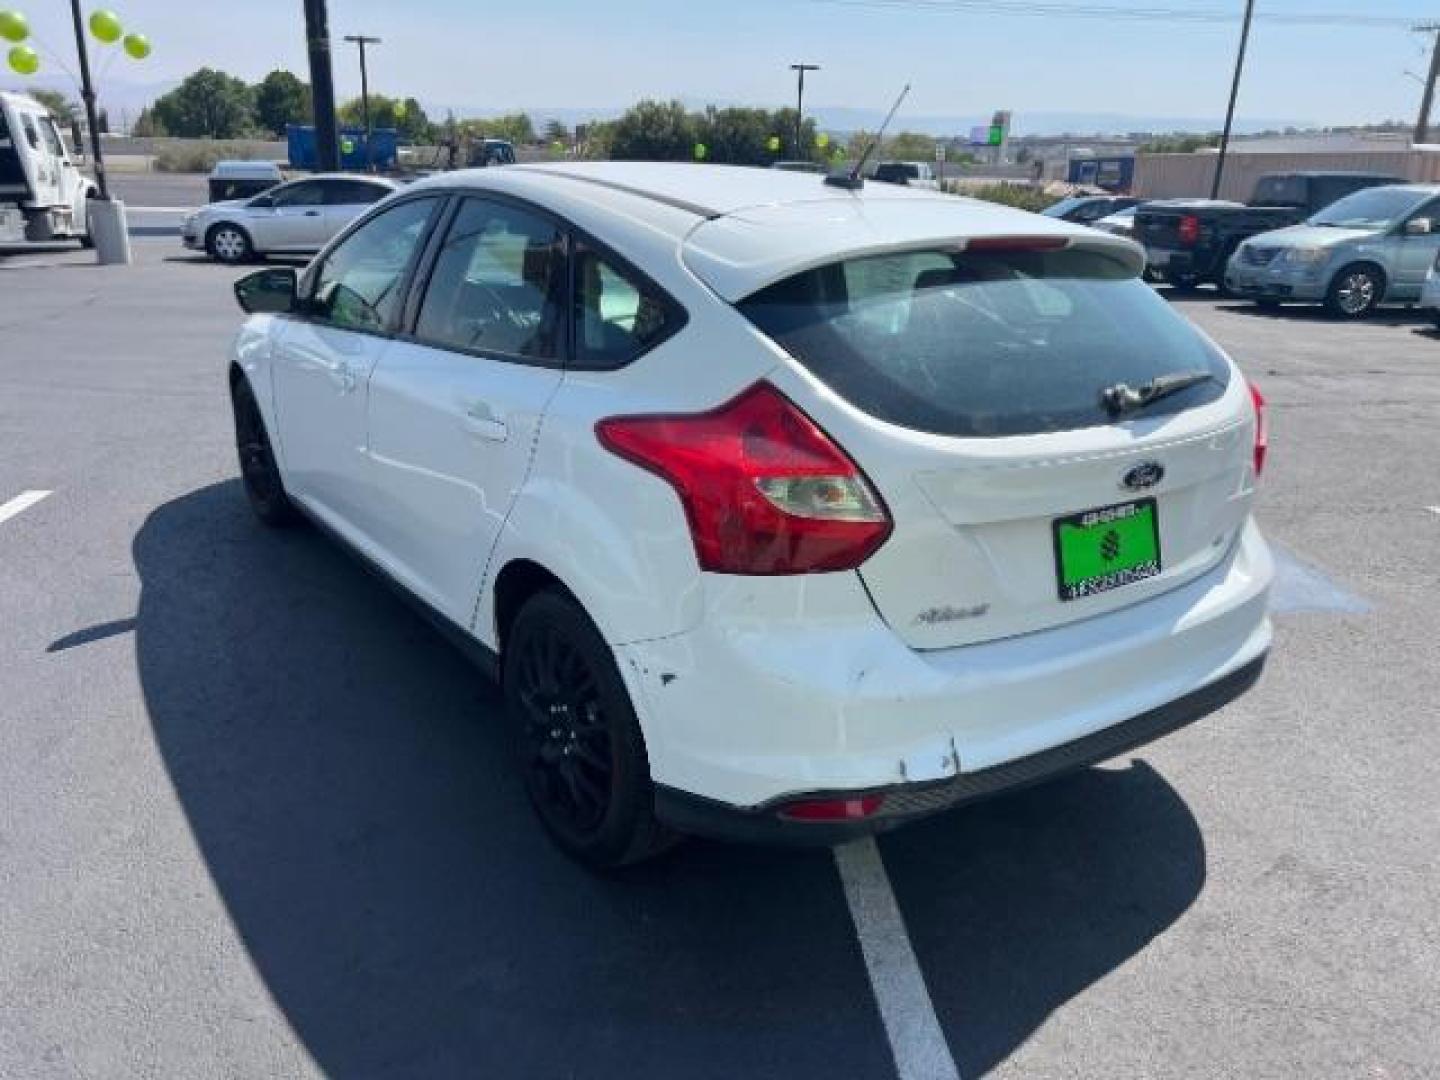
(43, 196)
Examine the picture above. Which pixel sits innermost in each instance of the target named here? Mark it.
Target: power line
(1112, 12)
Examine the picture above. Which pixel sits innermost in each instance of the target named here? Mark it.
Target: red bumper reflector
(832, 809)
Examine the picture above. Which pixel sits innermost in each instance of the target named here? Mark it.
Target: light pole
(1234, 93)
(361, 40)
(322, 85)
(800, 70)
(87, 94)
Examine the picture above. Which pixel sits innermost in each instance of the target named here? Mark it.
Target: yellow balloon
(105, 25)
(400, 110)
(24, 60)
(773, 142)
(822, 140)
(137, 46)
(13, 26)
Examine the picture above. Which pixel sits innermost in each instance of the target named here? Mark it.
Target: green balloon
(105, 25)
(13, 26)
(700, 151)
(773, 143)
(137, 46)
(347, 146)
(24, 60)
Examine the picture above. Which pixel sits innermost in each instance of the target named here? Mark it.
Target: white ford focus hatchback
(782, 510)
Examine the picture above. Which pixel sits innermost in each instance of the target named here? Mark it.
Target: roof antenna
(853, 181)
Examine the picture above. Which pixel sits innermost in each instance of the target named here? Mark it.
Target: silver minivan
(1371, 248)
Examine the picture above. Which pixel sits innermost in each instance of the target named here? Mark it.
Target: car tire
(229, 244)
(259, 473)
(1355, 291)
(576, 736)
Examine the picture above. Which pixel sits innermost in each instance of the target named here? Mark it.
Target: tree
(654, 131)
(281, 99)
(406, 116)
(61, 107)
(146, 126)
(910, 146)
(208, 104)
(556, 131)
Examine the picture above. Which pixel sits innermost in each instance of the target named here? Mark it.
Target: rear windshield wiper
(1124, 398)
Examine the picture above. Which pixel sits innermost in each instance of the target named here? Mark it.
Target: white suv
(781, 510)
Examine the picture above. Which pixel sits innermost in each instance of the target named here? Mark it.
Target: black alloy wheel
(576, 735)
(259, 473)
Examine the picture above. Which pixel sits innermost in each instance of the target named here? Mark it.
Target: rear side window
(618, 314)
(1281, 191)
(352, 192)
(1014, 343)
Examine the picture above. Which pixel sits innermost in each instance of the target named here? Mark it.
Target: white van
(43, 196)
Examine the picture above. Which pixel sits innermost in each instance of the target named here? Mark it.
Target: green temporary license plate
(1104, 549)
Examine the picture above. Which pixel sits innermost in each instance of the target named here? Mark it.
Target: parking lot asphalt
(255, 817)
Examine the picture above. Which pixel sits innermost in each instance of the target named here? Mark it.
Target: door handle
(480, 420)
(312, 213)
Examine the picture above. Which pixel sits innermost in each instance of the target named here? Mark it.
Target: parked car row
(1348, 241)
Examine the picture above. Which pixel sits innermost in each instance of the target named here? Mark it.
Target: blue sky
(488, 56)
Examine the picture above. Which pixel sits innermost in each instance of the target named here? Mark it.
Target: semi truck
(43, 195)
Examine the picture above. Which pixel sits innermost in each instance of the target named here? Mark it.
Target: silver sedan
(292, 219)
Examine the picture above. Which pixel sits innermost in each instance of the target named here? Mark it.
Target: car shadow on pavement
(344, 774)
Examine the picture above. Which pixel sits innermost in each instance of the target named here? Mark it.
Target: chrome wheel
(1356, 292)
(229, 245)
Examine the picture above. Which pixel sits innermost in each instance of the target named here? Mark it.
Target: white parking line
(916, 1040)
(20, 504)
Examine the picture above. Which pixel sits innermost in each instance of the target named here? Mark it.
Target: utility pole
(87, 94)
(322, 85)
(361, 40)
(800, 69)
(1234, 93)
(1422, 125)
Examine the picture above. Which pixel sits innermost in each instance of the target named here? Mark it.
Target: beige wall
(1173, 176)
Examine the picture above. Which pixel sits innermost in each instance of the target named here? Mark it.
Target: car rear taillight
(1262, 429)
(851, 809)
(766, 491)
(1007, 245)
(1189, 229)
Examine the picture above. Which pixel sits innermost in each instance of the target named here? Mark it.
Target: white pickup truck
(43, 196)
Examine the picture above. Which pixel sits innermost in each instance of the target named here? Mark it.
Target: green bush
(200, 157)
(1022, 198)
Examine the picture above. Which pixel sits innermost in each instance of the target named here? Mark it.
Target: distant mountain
(840, 118)
(118, 95)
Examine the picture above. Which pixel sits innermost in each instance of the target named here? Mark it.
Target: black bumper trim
(908, 802)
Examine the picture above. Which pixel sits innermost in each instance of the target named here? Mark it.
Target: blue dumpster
(384, 144)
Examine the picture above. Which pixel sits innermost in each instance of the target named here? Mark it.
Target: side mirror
(1417, 227)
(268, 292)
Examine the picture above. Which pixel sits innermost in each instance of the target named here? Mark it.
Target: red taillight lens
(766, 491)
(1189, 229)
(832, 809)
(1262, 429)
(1009, 244)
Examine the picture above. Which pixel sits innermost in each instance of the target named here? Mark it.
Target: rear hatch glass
(966, 344)
(1019, 501)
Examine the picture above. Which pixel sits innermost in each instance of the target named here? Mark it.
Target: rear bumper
(910, 802)
(799, 688)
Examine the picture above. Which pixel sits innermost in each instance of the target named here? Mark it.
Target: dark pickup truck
(1189, 241)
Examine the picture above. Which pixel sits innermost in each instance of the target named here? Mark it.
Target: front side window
(618, 315)
(985, 344)
(52, 138)
(359, 285)
(497, 284)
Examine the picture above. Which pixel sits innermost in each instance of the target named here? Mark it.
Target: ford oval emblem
(1144, 475)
